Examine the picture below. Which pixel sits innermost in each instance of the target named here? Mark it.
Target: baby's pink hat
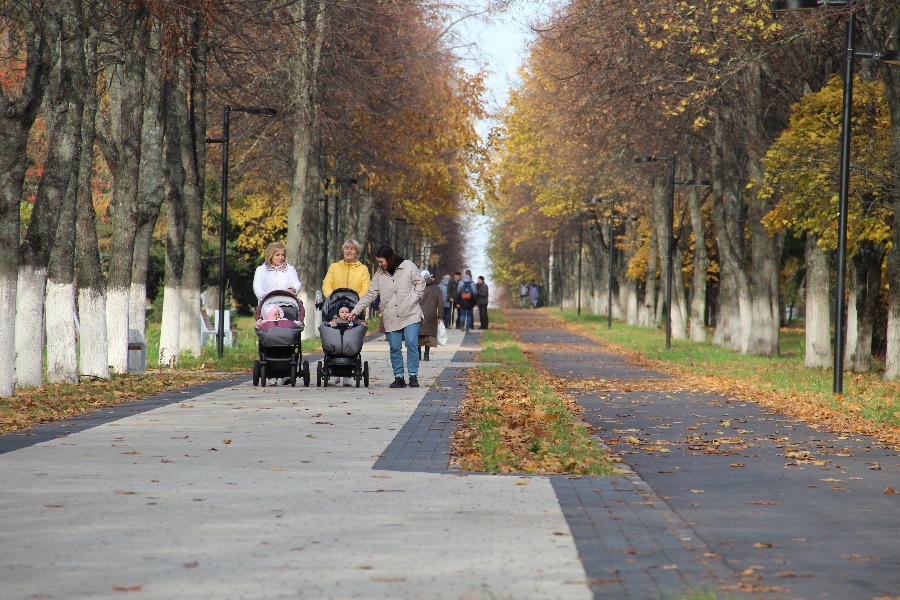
(273, 312)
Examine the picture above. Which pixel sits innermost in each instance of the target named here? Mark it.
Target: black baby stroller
(279, 341)
(341, 344)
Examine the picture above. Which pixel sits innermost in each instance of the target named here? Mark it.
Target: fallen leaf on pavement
(125, 493)
(763, 502)
(737, 465)
(133, 588)
(226, 441)
(276, 468)
(762, 545)
(190, 565)
(522, 482)
(889, 490)
(132, 453)
(696, 491)
(831, 480)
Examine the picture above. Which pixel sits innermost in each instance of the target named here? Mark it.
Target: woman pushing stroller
(400, 286)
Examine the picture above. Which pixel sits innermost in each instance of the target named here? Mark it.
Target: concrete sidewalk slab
(270, 492)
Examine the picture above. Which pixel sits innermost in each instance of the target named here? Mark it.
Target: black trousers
(483, 315)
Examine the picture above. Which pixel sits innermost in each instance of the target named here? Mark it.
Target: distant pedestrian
(482, 303)
(432, 306)
(452, 290)
(533, 292)
(466, 298)
(445, 294)
(523, 295)
(400, 286)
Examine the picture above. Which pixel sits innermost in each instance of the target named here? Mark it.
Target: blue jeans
(467, 317)
(410, 333)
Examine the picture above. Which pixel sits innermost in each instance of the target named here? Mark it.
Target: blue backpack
(466, 292)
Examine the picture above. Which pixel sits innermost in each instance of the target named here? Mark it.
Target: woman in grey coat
(400, 286)
(432, 304)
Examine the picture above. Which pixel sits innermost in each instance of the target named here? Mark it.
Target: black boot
(427, 348)
(413, 381)
(398, 383)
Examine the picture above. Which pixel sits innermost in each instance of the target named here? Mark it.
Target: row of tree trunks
(62, 114)
(701, 269)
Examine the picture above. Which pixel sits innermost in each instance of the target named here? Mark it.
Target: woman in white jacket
(275, 273)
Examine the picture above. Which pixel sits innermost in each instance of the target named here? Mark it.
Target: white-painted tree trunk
(7, 336)
(189, 322)
(852, 337)
(171, 327)
(818, 308)
(892, 356)
(30, 326)
(117, 329)
(137, 312)
(632, 302)
(92, 355)
(62, 359)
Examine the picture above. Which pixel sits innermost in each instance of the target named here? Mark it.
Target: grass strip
(513, 422)
(869, 405)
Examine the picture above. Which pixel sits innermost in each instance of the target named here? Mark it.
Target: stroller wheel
(305, 371)
(293, 374)
(319, 374)
(255, 373)
(262, 374)
(366, 373)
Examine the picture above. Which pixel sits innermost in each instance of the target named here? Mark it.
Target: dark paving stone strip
(465, 356)
(423, 443)
(17, 440)
(631, 544)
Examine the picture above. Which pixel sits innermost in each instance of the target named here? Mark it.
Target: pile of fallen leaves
(513, 422)
(55, 401)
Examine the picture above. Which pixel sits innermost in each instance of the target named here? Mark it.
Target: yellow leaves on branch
(802, 166)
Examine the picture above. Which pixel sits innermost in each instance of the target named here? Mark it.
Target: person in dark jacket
(452, 288)
(482, 303)
(432, 305)
(466, 298)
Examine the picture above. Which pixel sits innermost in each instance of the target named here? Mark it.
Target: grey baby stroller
(279, 340)
(341, 343)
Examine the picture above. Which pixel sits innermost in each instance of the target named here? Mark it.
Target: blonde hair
(353, 244)
(272, 248)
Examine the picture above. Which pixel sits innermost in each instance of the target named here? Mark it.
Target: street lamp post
(891, 57)
(670, 219)
(612, 211)
(224, 140)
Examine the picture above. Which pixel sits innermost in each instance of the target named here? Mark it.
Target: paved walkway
(232, 491)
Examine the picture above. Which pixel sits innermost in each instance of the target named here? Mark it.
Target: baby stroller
(342, 344)
(279, 345)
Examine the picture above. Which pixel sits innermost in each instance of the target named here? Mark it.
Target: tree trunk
(649, 305)
(818, 308)
(126, 91)
(176, 101)
(309, 268)
(62, 112)
(852, 329)
(62, 355)
(17, 115)
(193, 153)
(89, 280)
(661, 212)
(892, 92)
(868, 289)
(701, 268)
(151, 192)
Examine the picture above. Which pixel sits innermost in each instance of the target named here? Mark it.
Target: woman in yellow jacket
(347, 273)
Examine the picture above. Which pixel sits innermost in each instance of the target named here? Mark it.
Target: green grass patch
(866, 395)
(513, 422)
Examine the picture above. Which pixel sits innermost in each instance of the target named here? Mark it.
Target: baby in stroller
(342, 342)
(279, 325)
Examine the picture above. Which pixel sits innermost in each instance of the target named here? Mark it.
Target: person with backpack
(466, 297)
(523, 295)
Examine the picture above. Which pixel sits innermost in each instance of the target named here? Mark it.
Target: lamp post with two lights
(224, 140)
(891, 57)
(670, 218)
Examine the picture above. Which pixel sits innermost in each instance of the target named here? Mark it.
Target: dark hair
(458, 273)
(393, 260)
(481, 278)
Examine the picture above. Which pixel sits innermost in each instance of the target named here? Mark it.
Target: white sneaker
(335, 381)
(348, 381)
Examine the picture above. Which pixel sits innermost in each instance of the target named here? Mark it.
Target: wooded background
(742, 97)
(110, 193)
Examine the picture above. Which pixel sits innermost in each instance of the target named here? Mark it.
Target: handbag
(442, 334)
